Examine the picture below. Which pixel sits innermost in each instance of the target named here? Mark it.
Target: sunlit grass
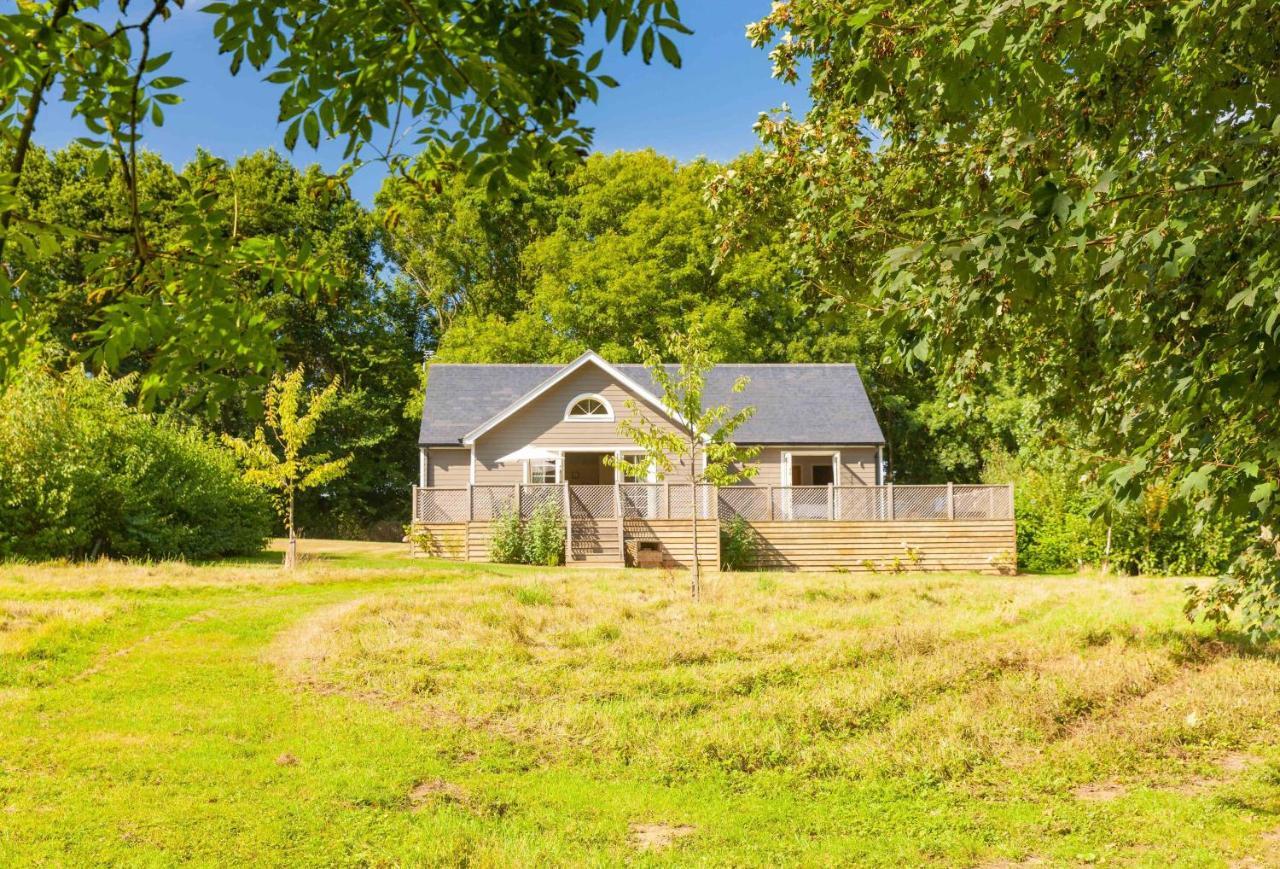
(372, 708)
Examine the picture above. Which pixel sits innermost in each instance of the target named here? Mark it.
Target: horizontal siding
(542, 424)
(448, 467)
(595, 541)
(440, 540)
(676, 539)
(478, 536)
(961, 545)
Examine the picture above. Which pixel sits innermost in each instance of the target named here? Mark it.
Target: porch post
(413, 508)
(769, 492)
(666, 500)
(471, 502)
(617, 513)
(568, 525)
(891, 510)
(519, 506)
(951, 501)
(831, 501)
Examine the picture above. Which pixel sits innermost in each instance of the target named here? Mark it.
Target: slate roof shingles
(795, 403)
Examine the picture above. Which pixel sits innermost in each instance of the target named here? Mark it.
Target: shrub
(82, 474)
(544, 537)
(1063, 519)
(738, 545)
(539, 541)
(506, 541)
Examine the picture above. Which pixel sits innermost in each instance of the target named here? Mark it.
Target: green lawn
(373, 709)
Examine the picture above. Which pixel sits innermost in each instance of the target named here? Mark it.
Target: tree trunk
(291, 551)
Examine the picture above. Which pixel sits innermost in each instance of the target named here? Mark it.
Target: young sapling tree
(279, 463)
(702, 443)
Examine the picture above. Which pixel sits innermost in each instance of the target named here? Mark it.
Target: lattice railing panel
(490, 502)
(591, 502)
(919, 502)
(680, 501)
(708, 503)
(982, 502)
(440, 505)
(643, 500)
(754, 503)
(534, 495)
(749, 502)
(798, 503)
(862, 503)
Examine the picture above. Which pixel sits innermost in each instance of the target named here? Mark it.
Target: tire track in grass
(104, 659)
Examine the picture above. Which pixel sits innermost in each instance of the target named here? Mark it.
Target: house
(506, 424)
(507, 439)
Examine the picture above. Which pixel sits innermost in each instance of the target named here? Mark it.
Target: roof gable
(794, 403)
(589, 358)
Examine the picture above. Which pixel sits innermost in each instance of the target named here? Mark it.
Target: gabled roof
(794, 403)
(639, 390)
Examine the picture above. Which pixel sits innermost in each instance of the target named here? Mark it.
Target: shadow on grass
(1187, 647)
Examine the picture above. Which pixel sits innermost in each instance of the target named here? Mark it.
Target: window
(542, 471)
(632, 478)
(589, 408)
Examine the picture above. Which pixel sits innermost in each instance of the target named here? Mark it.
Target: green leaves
(486, 91)
(280, 462)
(1076, 200)
(471, 83)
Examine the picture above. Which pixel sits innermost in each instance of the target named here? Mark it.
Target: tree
(289, 471)
(365, 329)
(705, 434)
(489, 90)
(620, 247)
(1082, 196)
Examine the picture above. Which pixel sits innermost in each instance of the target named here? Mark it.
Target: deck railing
(482, 503)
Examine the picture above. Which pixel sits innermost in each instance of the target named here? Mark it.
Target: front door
(587, 469)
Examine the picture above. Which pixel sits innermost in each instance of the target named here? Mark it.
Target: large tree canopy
(622, 248)
(1082, 194)
(491, 90)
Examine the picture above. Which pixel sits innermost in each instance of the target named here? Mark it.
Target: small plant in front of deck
(540, 540)
(738, 545)
(915, 556)
(703, 443)
(289, 471)
(544, 536)
(506, 540)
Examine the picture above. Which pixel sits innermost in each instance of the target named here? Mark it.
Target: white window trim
(651, 475)
(606, 417)
(785, 464)
(557, 463)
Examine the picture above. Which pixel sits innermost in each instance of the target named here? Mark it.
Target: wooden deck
(854, 529)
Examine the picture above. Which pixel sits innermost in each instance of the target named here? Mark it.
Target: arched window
(589, 408)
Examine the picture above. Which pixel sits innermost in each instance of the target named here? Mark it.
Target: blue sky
(706, 108)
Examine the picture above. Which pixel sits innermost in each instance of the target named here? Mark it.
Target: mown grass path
(506, 717)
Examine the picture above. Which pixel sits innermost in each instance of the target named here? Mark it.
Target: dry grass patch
(808, 678)
(656, 837)
(24, 625)
(424, 714)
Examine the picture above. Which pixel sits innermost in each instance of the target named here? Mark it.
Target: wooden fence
(854, 528)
